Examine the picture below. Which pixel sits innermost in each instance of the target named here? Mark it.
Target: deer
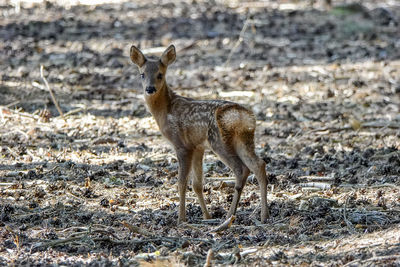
(192, 126)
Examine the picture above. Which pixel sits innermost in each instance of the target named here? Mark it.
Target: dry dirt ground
(99, 187)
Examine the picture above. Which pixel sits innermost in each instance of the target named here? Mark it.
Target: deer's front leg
(185, 161)
(197, 169)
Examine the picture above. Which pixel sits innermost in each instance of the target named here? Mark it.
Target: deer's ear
(168, 56)
(137, 56)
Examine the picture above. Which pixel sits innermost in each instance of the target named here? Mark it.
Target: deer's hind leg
(233, 161)
(244, 146)
(197, 170)
(236, 131)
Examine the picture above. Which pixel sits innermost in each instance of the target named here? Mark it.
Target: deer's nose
(150, 90)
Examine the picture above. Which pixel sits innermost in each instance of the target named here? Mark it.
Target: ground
(98, 185)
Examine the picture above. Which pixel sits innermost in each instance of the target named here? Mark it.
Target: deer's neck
(160, 103)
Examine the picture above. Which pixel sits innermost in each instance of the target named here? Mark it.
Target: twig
(12, 152)
(210, 256)
(351, 186)
(154, 50)
(57, 242)
(73, 228)
(381, 124)
(220, 246)
(225, 225)
(227, 184)
(153, 239)
(386, 156)
(221, 179)
(51, 92)
(210, 241)
(100, 239)
(154, 157)
(137, 230)
(236, 255)
(371, 124)
(210, 221)
(6, 184)
(348, 223)
(317, 178)
(383, 185)
(380, 258)
(191, 45)
(101, 231)
(255, 211)
(52, 169)
(77, 110)
(241, 34)
(316, 185)
(330, 129)
(23, 114)
(238, 42)
(247, 252)
(12, 104)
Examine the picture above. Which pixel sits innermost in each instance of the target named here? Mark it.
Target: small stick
(74, 228)
(12, 152)
(225, 225)
(316, 185)
(247, 252)
(386, 156)
(154, 50)
(191, 45)
(381, 124)
(6, 184)
(312, 189)
(57, 242)
(23, 114)
(12, 104)
(380, 258)
(210, 221)
(255, 210)
(238, 42)
(330, 129)
(51, 92)
(210, 256)
(351, 186)
(135, 229)
(320, 178)
(236, 255)
(371, 124)
(241, 35)
(348, 223)
(77, 110)
(221, 179)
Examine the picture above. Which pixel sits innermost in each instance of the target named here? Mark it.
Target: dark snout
(150, 90)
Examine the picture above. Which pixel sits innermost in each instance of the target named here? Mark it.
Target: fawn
(192, 125)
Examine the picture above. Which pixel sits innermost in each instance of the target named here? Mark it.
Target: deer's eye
(159, 76)
(142, 75)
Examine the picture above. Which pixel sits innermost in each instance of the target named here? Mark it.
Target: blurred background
(84, 45)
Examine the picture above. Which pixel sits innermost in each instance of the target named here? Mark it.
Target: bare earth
(99, 186)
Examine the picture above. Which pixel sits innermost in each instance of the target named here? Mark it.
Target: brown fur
(192, 125)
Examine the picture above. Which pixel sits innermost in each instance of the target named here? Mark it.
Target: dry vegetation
(98, 186)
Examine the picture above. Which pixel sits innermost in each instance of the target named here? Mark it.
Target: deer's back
(196, 121)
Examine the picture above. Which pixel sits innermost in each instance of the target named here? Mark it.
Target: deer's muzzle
(150, 90)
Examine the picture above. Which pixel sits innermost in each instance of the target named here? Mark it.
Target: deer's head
(153, 69)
